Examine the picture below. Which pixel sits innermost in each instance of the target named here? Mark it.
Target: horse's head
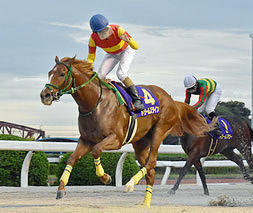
(61, 80)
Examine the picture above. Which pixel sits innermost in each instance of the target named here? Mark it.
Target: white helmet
(189, 81)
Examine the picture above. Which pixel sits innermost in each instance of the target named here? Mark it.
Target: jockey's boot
(138, 105)
(211, 115)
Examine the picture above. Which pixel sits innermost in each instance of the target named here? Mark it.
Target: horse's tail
(192, 122)
(246, 144)
(251, 131)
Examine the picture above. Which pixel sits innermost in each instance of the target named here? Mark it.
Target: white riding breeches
(211, 101)
(124, 59)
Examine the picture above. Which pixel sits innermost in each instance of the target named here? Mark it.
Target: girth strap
(131, 130)
(212, 146)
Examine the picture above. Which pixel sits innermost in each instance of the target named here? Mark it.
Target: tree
(233, 108)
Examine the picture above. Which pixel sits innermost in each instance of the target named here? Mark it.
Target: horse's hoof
(106, 179)
(109, 180)
(60, 194)
(129, 186)
(172, 192)
(206, 193)
(146, 205)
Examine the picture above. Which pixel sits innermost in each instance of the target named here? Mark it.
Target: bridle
(73, 88)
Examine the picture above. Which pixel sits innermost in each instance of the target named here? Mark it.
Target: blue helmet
(98, 22)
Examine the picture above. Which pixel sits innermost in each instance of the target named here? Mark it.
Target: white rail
(180, 164)
(32, 146)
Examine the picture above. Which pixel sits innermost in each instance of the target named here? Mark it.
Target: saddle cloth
(149, 100)
(227, 132)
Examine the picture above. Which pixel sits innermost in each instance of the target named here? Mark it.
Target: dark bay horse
(198, 147)
(103, 122)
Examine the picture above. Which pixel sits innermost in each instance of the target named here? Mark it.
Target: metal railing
(70, 147)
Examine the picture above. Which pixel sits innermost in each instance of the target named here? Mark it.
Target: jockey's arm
(187, 97)
(127, 38)
(92, 51)
(202, 97)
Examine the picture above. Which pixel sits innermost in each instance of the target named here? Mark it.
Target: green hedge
(39, 170)
(11, 164)
(13, 138)
(53, 167)
(84, 172)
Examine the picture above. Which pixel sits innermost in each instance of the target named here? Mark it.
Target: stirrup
(138, 106)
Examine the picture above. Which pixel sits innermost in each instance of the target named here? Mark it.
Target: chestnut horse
(103, 122)
(198, 147)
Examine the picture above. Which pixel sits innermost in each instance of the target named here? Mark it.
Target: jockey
(209, 94)
(119, 47)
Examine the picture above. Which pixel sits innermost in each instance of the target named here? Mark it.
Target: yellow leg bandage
(99, 169)
(66, 174)
(139, 175)
(148, 195)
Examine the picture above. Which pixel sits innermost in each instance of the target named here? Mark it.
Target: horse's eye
(62, 74)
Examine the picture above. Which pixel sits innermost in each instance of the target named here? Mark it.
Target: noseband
(73, 88)
(60, 92)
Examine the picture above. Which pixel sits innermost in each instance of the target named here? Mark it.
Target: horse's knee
(151, 173)
(150, 165)
(150, 177)
(96, 152)
(142, 162)
(72, 159)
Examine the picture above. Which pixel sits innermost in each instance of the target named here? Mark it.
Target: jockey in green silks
(209, 94)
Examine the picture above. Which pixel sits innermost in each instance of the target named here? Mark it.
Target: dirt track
(189, 198)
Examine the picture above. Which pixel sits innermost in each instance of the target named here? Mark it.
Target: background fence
(33, 146)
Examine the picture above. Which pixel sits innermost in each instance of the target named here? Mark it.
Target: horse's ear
(50, 73)
(57, 60)
(69, 60)
(72, 59)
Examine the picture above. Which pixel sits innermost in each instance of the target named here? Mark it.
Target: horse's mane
(82, 65)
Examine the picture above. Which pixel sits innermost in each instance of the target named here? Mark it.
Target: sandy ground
(189, 198)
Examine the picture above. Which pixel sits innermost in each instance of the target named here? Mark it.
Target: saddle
(224, 128)
(150, 102)
(225, 133)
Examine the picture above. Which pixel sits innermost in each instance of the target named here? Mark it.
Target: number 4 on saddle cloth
(150, 102)
(226, 130)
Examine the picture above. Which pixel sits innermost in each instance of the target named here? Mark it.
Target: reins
(99, 99)
(73, 88)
